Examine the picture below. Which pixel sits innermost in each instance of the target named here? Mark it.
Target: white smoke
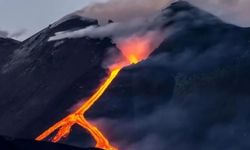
(115, 30)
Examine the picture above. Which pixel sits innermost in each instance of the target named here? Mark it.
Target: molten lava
(77, 117)
(134, 49)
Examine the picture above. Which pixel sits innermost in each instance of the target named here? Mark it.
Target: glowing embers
(63, 127)
(138, 47)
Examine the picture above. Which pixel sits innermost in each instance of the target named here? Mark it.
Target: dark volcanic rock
(192, 93)
(196, 32)
(135, 92)
(7, 46)
(7, 143)
(36, 75)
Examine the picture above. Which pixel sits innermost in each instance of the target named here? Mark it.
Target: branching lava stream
(134, 49)
(63, 127)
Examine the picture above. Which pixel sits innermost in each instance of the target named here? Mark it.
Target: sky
(30, 16)
(20, 19)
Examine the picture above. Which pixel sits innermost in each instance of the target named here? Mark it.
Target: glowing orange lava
(77, 117)
(134, 49)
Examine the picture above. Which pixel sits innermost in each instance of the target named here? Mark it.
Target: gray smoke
(233, 11)
(123, 10)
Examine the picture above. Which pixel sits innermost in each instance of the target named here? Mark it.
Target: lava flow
(77, 117)
(134, 49)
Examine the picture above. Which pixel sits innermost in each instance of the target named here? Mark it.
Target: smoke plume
(233, 11)
(136, 37)
(123, 10)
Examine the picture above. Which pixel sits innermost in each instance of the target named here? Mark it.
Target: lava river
(135, 49)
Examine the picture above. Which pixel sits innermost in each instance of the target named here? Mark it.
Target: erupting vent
(134, 49)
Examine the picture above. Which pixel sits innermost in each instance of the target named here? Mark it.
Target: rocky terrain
(8, 143)
(192, 92)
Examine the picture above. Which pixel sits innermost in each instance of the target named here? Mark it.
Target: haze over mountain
(192, 92)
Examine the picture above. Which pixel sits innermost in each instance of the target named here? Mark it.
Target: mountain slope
(7, 46)
(192, 93)
(36, 74)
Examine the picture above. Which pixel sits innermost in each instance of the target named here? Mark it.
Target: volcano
(191, 93)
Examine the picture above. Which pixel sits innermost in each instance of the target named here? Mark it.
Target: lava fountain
(135, 49)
